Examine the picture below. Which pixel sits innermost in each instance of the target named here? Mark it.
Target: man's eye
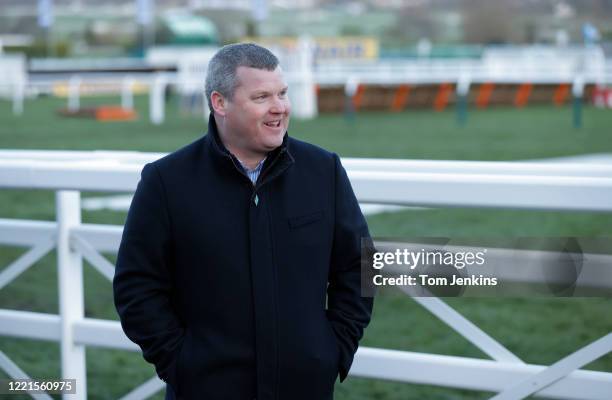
(260, 97)
(283, 94)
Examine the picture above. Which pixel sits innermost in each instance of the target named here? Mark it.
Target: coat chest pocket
(304, 220)
(308, 229)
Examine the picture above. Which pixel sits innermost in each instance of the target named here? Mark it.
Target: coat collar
(276, 163)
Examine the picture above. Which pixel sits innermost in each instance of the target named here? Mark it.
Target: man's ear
(218, 102)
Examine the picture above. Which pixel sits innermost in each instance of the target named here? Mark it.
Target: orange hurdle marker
(114, 113)
(443, 96)
(522, 95)
(401, 98)
(561, 94)
(358, 97)
(485, 92)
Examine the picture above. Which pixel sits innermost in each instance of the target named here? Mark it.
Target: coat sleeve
(142, 284)
(348, 312)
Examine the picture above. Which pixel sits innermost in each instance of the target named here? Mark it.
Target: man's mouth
(273, 124)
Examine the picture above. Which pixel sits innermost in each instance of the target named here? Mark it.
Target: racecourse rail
(515, 185)
(578, 68)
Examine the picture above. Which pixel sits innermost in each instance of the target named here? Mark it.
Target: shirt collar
(221, 155)
(257, 167)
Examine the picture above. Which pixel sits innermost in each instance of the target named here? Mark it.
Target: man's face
(258, 115)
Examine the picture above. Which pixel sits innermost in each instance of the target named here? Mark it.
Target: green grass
(499, 134)
(539, 331)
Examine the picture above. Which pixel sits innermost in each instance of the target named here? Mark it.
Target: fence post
(18, 93)
(157, 97)
(578, 93)
(70, 282)
(74, 87)
(463, 89)
(351, 86)
(304, 93)
(127, 95)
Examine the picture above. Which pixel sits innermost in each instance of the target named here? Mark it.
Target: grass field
(538, 330)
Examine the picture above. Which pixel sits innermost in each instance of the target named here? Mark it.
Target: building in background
(401, 27)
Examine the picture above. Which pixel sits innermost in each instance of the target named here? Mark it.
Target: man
(238, 272)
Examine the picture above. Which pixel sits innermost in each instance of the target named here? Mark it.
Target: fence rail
(579, 67)
(426, 183)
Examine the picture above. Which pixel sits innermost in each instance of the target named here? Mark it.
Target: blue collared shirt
(253, 174)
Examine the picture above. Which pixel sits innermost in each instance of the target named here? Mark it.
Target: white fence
(537, 65)
(13, 80)
(303, 83)
(530, 64)
(424, 183)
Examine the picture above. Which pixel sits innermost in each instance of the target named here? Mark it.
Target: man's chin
(270, 145)
(275, 141)
(273, 144)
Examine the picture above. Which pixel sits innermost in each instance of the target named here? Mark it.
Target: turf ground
(538, 330)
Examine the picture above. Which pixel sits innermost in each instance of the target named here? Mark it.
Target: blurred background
(479, 80)
(113, 28)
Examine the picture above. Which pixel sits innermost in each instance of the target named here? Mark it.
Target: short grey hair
(221, 74)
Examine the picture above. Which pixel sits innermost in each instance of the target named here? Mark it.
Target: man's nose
(279, 106)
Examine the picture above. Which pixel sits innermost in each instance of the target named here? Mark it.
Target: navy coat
(242, 291)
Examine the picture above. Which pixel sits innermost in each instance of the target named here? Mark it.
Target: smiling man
(238, 273)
